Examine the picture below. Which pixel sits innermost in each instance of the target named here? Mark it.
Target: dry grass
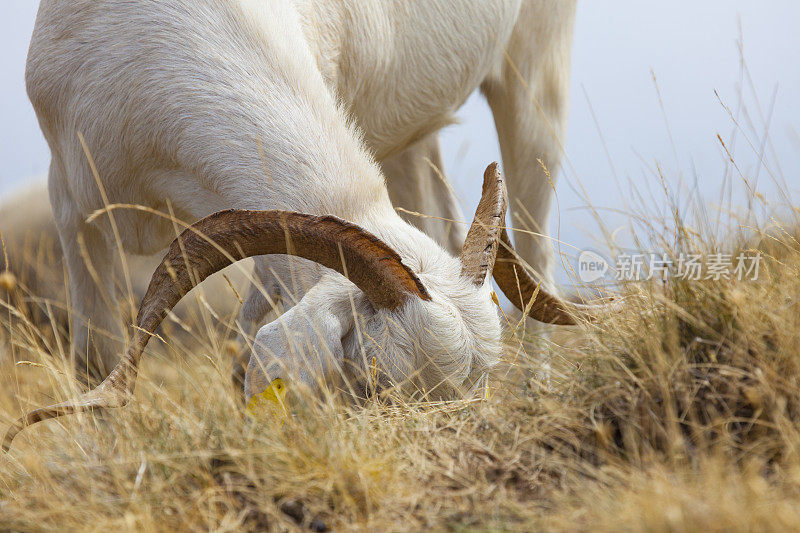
(680, 413)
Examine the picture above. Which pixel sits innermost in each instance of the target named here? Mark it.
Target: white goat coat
(193, 106)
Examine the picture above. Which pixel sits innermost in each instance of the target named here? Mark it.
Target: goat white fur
(194, 106)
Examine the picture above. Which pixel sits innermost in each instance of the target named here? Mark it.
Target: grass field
(681, 412)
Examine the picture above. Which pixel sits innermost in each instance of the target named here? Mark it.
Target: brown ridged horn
(222, 239)
(520, 288)
(488, 250)
(483, 239)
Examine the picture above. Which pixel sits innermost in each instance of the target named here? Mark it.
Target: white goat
(198, 106)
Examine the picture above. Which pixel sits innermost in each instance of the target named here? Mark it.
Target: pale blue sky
(691, 46)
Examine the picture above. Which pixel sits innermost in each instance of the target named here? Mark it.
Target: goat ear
(305, 342)
(483, 239)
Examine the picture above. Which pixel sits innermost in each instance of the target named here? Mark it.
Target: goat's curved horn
(483, 239)
(224, 238)
(488, 250)
(521, 288)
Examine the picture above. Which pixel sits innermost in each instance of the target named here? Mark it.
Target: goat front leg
(97, 333)
(529, 98)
